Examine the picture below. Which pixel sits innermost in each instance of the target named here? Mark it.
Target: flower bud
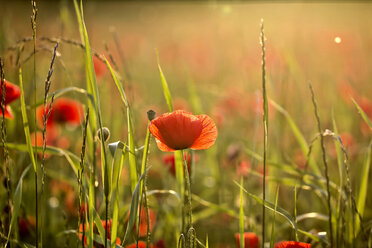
(106, 134)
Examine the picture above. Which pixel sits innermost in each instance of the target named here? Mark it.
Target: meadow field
(268, 106)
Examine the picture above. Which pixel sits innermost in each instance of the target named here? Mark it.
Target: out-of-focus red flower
(299, 159)
(250, 240)
(347, 140)
(170, 162)
(64, 111)
(99, 67)
(366, 105)
(181, 130)
(64, 191)
(81, 230)
(347, 92)
(12, 92)
(160, 244)
(292, 244)
(25, 225)
(141, 244)
(143, 221)
(243, 168)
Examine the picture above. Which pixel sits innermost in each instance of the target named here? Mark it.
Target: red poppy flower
(170, 162)
(292, 244)
(12, 92)
(63, 111)
(250, 240)
(181, 130)
(141, 244)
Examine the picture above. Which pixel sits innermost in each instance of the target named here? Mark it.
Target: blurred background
(211, 56)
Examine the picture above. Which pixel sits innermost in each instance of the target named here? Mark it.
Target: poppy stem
(188, 188)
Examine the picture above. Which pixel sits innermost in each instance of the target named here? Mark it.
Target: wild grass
(232, 188)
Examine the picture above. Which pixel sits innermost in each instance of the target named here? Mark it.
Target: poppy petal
(208, 135)
(177, 130)
(8, 112)
(163, 147)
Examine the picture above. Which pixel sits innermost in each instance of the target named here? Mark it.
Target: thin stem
(188, 188)
(266, 127)
(107, 203)
(325, 166)
(33, 25)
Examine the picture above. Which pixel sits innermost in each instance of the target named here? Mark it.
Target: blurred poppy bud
(151, 114)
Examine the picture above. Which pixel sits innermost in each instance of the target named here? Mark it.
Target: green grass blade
(341, 183)
(61, 92)
(134, 206)
(132, 154)
(298, 135)
(144, 157)
(117, 163)
(98, 222)
(167, 94)
(363, 188)
(272, 238)
(362, 113)
(71, 158)
(271, 207)
(26, 126)
(117, 83)
(241, 215)
(17, 199)
(91, 204)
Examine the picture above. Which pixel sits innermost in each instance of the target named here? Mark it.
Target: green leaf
(272, 239)
(119, 156)
(61, 92)
(362, 113)
(17, 200)
(134, 206)
(363, 188)
(71, 158)
(132, 153)
(167, 94)
(26, 126)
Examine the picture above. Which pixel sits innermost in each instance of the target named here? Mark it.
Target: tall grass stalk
(266, 127)
(93, 89)
(47, 111)
(81, 219)
(33, 26)
(325, 165)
